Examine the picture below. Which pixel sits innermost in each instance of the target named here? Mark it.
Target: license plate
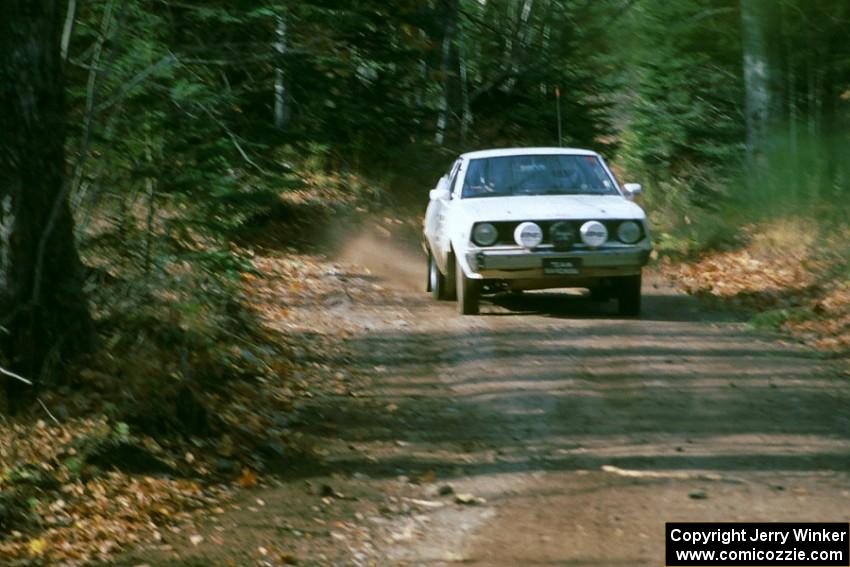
(561, 266)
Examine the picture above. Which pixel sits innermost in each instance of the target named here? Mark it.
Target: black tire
(428, 287)
(629, 295)
(438, 284)
(468, 293)
(600, 292)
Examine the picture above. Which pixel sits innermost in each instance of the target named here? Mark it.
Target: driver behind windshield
(536, 175)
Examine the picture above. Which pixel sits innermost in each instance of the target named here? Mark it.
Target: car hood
(550, 207)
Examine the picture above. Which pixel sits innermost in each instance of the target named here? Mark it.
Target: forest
(151, 149)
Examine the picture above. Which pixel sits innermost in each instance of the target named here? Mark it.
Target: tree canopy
(179, 123)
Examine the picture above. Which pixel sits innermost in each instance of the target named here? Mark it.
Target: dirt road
(576, 433)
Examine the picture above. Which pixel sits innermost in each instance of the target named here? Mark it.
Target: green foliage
(685, 133)
(686, 122)
(806, 178)
(178, 148)
(174, 139)
(774, 319)
(122, 430)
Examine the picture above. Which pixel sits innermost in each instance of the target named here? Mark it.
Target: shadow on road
(656, 307)
(552, 384)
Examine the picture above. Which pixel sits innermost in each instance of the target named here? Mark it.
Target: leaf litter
(60, 506)
(793, 281)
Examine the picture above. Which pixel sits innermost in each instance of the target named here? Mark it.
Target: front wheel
(468, 292)
(628, 295)
(438, 284)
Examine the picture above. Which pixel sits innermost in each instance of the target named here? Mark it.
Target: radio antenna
(558, 108)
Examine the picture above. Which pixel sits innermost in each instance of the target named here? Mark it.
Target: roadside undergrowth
(190, 396)
(792, 276)
(181, 408)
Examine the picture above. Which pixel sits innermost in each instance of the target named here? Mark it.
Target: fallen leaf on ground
(38, 547)
(248, 478)
(428, 477)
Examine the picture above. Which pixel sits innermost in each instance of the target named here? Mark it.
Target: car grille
(506, 229)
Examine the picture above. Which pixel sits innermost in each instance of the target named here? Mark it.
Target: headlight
(594, 233)
(628, 232)
(528, 235)
(484, 234)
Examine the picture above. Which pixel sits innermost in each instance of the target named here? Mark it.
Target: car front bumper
(521, 264)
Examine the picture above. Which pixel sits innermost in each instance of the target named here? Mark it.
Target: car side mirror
(441, 191)
(632, 190)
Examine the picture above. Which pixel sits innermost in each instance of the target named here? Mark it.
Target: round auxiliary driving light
(628, 232)
(528, 235)
(484, 234)
(593, 233)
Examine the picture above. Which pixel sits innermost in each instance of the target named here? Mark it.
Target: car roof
(503, 152)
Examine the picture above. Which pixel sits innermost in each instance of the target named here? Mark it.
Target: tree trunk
(759, 76)
(446, 70)
(42, 306)
(755, 76)
(520, 44)
(150, 190)
(281, 112)
(466, 113)
(68, 29)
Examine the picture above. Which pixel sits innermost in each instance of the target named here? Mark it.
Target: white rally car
(534, 218)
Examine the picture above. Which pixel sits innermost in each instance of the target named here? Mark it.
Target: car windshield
(556, 174)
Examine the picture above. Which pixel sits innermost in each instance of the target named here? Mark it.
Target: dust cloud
(395, 260)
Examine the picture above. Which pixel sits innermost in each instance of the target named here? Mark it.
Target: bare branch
(228, 131)
(232, 137)
(140, 77)
(11, 374)
(53, 417)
